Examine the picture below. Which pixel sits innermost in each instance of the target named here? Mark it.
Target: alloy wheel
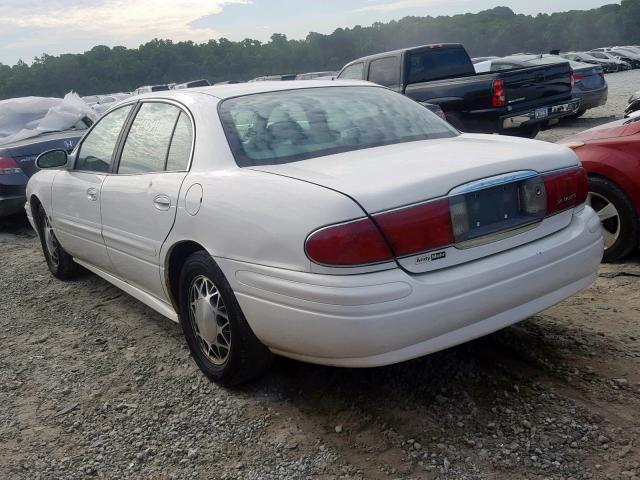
(609, 218)
(209, 320)
(50, 240)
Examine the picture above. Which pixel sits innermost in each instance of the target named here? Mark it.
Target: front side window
(352, 72)
(385, 72)
(147, 144)
(96, 151)
(288, 126)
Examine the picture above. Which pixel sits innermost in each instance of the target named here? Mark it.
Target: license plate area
(494, 211)
(541, 113)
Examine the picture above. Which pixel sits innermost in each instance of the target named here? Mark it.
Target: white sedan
(340, 224)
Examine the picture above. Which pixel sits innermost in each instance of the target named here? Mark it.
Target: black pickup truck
(514, 102)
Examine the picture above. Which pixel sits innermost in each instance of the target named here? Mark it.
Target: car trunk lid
(389, 178)
(26, 151)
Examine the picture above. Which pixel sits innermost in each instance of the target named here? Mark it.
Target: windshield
(288, 126)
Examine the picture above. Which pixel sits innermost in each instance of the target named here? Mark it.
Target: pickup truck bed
(517, 102)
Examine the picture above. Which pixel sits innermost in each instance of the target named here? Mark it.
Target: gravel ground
(95, 384)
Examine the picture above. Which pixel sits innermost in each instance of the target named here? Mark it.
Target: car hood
(619, 128)
(396, 175)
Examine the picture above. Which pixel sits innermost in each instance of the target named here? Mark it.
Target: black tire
(530, 131)
(578, 114)
(246, 358)
(60, 263)
(629, 235)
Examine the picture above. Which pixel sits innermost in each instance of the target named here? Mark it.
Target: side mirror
(52, 159)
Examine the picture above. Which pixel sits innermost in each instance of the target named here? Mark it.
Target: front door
(76, 192)
(139, 202)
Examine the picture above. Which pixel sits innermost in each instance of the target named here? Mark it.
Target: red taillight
(348, 244)
(8, 166)
(577, 78)
(418, 228)
(499, 98)
(566, 189)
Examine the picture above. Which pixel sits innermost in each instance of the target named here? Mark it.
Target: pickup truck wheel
(217, 333)
(530, 131)
(60, 263)
(618, 217)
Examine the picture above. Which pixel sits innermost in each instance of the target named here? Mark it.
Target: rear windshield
(288, 126)
(439, 63)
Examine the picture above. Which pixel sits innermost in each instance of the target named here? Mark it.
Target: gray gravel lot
(94, 384)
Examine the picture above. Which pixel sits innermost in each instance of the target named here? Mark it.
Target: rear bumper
(10, 205)
(540, 114)
(390, 316)
(12, 194)
(592, 98)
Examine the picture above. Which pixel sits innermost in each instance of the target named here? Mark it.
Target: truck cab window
(385, 72)
(352, 72)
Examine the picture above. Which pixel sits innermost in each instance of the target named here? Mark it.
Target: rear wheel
(60, 263)
(618, 217)
(219, 337)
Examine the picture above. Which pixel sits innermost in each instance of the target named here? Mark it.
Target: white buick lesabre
(340, 224)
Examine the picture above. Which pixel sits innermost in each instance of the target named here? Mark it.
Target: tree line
(498, 31)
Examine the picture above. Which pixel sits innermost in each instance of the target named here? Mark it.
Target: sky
(29, 28)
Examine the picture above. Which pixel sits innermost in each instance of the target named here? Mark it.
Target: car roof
(391, 53)
(238, 89)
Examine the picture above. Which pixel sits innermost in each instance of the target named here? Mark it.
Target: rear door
(139, 202)
(76, 192)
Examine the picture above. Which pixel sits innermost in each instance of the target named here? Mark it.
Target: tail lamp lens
(566, 189)
(418, 228)
(8, 166)
(499, 98)
(436, 224)
(353, 243)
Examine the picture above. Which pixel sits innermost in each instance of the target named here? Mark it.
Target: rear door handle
(162, 202)
(92, 194)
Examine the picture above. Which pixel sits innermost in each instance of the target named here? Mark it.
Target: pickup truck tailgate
(533, 84)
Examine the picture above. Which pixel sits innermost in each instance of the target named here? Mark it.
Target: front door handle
(162, 202)
(92, 194)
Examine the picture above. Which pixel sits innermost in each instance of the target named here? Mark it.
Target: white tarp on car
(29, 117)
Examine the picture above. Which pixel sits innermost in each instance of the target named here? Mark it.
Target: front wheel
(60, 263)
(618, 217)
(217, 333)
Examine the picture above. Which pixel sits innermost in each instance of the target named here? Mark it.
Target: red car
(611, 155)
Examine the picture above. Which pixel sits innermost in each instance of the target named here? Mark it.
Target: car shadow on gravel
(481, 369)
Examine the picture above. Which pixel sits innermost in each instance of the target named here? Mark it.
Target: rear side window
(147, 144)
(352, 72)
(439, 63)
(385, 72)
(97, 149)
(289, 126)
(180, 149)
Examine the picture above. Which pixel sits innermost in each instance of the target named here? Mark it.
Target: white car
(339, 224)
